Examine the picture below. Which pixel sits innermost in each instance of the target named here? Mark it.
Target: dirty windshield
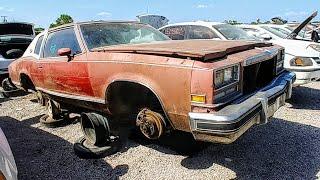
(108, 34)
(16, 29)
(233, 33)
(275, 32)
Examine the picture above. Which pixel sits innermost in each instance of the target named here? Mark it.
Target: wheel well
(126, 99)
(26, 82)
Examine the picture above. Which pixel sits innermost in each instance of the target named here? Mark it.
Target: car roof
(17, 23)
(93, 22)
(199, 23)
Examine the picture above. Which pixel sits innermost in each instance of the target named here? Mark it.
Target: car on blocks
(130, 73)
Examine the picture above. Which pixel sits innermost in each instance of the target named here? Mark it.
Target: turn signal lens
(2, 177)
(198, 98)
(299, 62)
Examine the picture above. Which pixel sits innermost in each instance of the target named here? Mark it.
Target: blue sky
(44, 12)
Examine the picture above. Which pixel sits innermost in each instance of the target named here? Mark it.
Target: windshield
(233, 33)
(16, 28)
(302, 33)
(108, 34)
(275, 32)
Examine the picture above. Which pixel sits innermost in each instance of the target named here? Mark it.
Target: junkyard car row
(212, 80)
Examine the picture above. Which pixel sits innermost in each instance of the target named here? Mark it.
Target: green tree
(38, 30)
(63, 19)
(232, 22)
(260, 22)
(278, 20)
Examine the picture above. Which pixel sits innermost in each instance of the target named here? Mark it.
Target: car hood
(297, 47)
(204, 50)
(296, 31)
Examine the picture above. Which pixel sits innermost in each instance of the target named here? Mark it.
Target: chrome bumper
(228, 124)
(4, 71)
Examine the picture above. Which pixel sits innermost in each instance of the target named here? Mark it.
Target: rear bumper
(228, 124)
(4, 72)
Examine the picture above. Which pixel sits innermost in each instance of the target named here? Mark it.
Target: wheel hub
(150, 123)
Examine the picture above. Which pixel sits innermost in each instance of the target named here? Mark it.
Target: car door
(63, 74)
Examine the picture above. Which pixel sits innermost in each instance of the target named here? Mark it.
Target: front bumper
(305, 76)
(228, 124)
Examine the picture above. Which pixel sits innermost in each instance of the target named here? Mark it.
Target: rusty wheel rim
(150, 123)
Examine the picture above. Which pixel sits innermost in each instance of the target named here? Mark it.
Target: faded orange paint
(172, 70)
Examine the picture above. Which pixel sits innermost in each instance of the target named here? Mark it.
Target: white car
(287, 30)
(205, 30)
(302, 57)
(8, 168)
(15, 37)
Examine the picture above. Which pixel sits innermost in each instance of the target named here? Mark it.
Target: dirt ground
(288, 147)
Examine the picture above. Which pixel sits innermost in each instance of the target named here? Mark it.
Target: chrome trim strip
(76, 97)
(266, 55)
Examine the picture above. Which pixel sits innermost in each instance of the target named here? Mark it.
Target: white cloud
(6, 9)
(202, 6)
(104, 14)
(295, 14)
(10, 10)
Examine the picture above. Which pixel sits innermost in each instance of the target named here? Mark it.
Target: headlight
(301, 61)
(226, 76)
(315, 47)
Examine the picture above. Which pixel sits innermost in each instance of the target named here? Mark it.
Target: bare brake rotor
(151, 123)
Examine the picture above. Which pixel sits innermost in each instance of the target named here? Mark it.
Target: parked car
(287, 30)
(205, 30)
(134, 74)
(8, 168)
(153, 20)
(302, 57)
(14, 39)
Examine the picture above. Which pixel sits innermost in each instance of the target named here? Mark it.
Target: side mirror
(65, 52)
(266, 37)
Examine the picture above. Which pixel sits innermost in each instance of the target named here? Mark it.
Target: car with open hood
(301, 56)
(133, 74)
(15, 37)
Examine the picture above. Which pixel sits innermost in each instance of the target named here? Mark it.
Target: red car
(215, 90)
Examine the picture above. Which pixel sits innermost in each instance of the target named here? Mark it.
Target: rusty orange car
(215, 90)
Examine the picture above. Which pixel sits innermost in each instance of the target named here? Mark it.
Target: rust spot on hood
(203, 50)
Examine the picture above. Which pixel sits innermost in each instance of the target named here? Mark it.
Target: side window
(201, 32)
(175, 32)
(61, 39)
(38, 45)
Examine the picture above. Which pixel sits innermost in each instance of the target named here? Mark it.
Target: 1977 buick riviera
(215, 90)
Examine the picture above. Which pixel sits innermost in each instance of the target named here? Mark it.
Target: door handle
(40, 67)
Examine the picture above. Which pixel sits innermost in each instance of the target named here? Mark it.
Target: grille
(259, 75)
(317, 60)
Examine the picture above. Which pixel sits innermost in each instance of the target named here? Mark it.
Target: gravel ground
(286, 148)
